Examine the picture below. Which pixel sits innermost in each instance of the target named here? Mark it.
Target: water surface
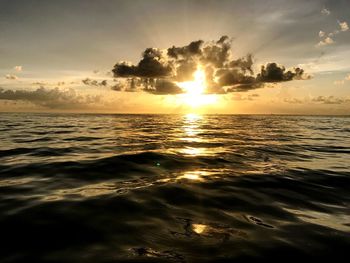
(173, 188)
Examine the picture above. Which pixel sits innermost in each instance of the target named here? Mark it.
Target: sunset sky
(59, 55)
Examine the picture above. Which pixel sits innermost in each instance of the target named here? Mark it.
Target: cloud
(319, 100)
(163, 87)
(91, 82)
(160, 71)
(274, 73)
(330, 100)
(50, 98)
(343, 26)
(342, 81)
(325, 11)
(152, 65)
(328, 38)
(240, 97)
(11, 77)
(102, 73)
(325, 42)
(18, 68)
(293, 100)
(44, 83)
(40, 83)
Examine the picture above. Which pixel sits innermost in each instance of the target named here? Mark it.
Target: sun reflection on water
(194, 175)
(191, 125)
(199, 228)
(192, 151)
(192, 117)
(191, 132)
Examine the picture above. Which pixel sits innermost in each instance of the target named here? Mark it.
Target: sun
(195, 90)
(197, 86)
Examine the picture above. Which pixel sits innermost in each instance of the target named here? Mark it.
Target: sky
(136, 56)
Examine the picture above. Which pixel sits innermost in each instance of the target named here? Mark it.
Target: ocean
(173, 188)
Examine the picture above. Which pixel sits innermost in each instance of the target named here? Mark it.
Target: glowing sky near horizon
(57, 44)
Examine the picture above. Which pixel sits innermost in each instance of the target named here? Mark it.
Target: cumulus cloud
(343, 26)
(328, 38)
(160, 71)
(50, 98)
(11, 77)
(325, 42)
(325, 11)
(18, 68)
(163, 87)
(152, 65)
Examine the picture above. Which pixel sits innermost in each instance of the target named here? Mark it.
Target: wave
(114, 166)
(173, 189)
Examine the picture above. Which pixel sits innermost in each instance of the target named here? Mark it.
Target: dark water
(167, 188)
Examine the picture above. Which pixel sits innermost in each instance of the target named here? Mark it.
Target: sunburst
(195, 90)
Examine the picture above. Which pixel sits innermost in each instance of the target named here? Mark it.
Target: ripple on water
(171, 188)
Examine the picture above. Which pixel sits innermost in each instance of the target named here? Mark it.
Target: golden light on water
(195, 90)
(192, 117)
(199, 228)
(191, 176)
(193, 151)
(198, 175)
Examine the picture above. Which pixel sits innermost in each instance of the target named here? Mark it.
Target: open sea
(174, 188)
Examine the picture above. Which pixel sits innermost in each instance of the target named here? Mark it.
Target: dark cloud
(245, 87)
(245, 64)
(218, 53)
(159, 71)
(50, 98)
(229, 77)
(185, 70)
(274, 73)
(152, 65)
(163, 87)
(193, 49)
